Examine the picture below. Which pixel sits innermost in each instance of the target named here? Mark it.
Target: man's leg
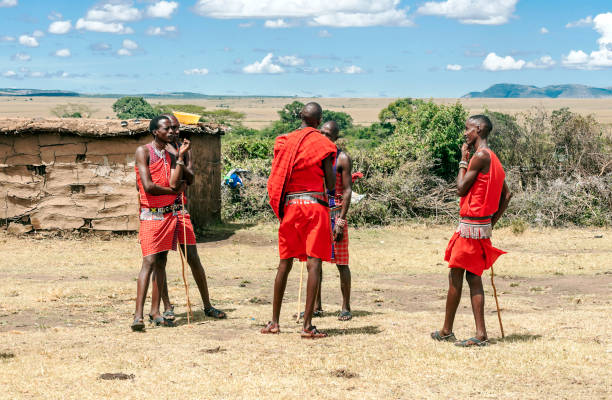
(314, 272)
(155, 297)
(153, 262)
(455, 284)
(345, 287)
(477, 297)
(318, 302)
(197, 270)
(280, 283)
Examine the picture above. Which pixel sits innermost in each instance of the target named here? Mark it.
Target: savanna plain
(67, 304)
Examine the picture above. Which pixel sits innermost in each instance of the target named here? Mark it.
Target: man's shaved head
(311, 114)
(172, 118)
(485, 124)
(331, 130)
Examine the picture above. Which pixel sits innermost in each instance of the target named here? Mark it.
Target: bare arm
(142, 162)
(328, 171)
(467, 177)
(504, 200)
(344, 164)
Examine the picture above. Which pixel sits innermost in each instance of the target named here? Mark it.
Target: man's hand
(338, 233)
(465, 152)
(181, 187)
(184, 149)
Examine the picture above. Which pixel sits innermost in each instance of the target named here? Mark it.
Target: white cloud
(483, 12)
(100, 46)
(493, 62)
(454, 67)
(353, 69)
(543, 30)
(161, 31)
(265, 66)
(105, 27)
(162, 9)
(21, 57)
(7, 38)
(8, 3)
(324, 33)
(291, 61)
(9, 74)
(277, 23)
(28, 41)
(597, 59)
(114, 12)
(54, 16)
(130, 44)
(60, 27)
(38, 34)
(124, 52)
(63, 53)
(587, 21)
(196, 71)
(543, 62)
(319, 13)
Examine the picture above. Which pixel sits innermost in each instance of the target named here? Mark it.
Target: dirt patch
(116, 376)
(343, 373)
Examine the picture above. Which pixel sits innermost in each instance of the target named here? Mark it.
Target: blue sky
(346, 48)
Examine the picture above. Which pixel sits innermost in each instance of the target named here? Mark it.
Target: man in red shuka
(301, 170)
(484, 197)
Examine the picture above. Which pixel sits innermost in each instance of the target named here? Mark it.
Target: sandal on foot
(213, 312)
(313, 333)
(345, 316)
(161, 321)
(473, 342)
(315, 314)
(169, 314)
(443, 338)
(271, 328)
(138, 325)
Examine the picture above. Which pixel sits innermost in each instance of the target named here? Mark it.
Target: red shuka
(482, 200)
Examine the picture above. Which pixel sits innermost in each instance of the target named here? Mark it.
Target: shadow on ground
(517, 338)
(214, 233)
(361, 330)
(198, 316)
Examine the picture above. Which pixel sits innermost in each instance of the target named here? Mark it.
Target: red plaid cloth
(156, 236)
(340, 252)
(298, 150)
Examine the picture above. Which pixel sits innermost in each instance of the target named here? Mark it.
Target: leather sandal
(313, 333)
(271, 328)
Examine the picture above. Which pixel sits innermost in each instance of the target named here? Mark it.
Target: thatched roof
(94, 127)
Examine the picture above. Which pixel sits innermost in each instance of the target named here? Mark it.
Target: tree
(133, 107)
(344, 120)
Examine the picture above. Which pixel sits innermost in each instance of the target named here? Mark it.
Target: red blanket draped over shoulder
(295, 155)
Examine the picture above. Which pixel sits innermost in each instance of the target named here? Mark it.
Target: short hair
(485, 121)
(154, 124)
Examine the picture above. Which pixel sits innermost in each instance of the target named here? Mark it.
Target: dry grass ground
(67, 305)
(261, 112)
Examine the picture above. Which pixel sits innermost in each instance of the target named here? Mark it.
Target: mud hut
(65, 174)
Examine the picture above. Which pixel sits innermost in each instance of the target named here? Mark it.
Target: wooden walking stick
(299, 306)
(185, 259)
(497, 303)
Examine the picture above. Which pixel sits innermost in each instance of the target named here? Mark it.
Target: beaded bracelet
(341, 222)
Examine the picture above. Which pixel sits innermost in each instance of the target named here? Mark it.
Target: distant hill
(175, 95)
(36, 92)
(509, 90)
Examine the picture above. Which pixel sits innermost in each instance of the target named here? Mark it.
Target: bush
(133, 107)
(169, 108)
(72, 110)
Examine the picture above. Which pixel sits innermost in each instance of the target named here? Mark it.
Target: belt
(306, 198)
(163, 210)
(477, 218)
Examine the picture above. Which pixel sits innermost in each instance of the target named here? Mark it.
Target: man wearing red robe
(484, 197)
(301, 170)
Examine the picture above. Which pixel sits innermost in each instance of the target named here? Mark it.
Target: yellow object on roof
(186, 118)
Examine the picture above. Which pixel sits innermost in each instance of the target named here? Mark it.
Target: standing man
(339, 202)
(484, 197)
(301, 170)
(193, 259)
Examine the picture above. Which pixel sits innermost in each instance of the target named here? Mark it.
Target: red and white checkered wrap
(340, 249)
(156, 236)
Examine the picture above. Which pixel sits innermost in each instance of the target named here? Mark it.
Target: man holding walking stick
(301, 170)
(484, 197)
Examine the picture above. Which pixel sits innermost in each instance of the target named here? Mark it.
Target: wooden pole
(299, 303)
(497, 303)
(183, 260)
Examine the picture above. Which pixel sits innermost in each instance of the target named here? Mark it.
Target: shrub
(133, 107)
(72, 110)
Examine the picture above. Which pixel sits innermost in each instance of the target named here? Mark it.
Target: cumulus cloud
(55, 16)
(114, 12)
(352, 69)
(597, 59)
(162, 9)
(63, 53)
(104, 27)
(321, 13)
(277, 23)
(349, 70)
(38, 34)
(60, 27)
(100, 46)
(196, 71)
(8, 3)
(161, 31)
(543, 30)
(291, 61)
(493, 62)
(543, 62)
(28, 41)
(265, 66)
(454, 67)
(21, 57)
(124, 52)
(483, 12)
(587, 21)
(130, 44)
